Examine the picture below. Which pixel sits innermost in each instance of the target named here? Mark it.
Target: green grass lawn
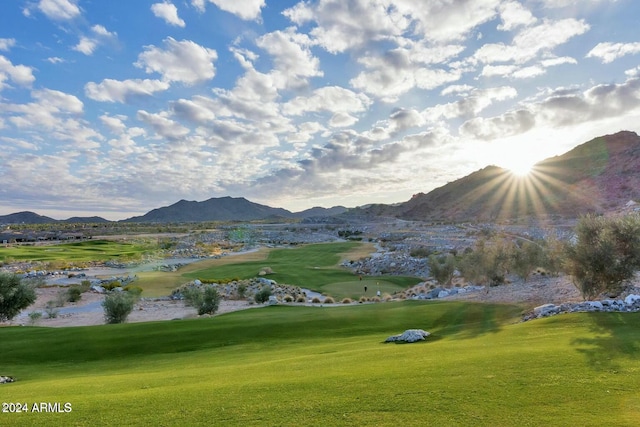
(328, 366)
(88, 250)
(313, 267)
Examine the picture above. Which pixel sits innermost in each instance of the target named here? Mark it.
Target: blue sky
(115, 108)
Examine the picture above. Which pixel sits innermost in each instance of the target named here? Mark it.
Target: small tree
(606, 254)
(15, 295)
(525, 259)
(205, 299)
(118, 306)
(442, 268)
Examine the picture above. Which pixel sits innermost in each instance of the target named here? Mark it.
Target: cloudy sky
(114, 108)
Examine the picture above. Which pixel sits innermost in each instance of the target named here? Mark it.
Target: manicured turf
(328, 366)
(313, 267)
(89, 250)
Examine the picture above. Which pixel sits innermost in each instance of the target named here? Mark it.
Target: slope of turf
(328, 366)
(311, 266)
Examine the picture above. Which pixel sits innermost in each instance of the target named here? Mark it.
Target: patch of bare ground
(533, 292)
(90, 312)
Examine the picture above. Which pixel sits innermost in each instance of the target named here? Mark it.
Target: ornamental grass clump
(329, 300)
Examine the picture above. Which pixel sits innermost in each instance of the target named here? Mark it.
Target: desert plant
(210, 301)
(525, 258)
(74, 293)
(442, 268)
(133, 290)
(301, 298)
(329, 300)
(118, 306)
(605, 255)
(347, 301)
(51, 309)
(241, 290)
(287, 298)
(15, 295)
(34, 317)
(315, 300)
(263, 295)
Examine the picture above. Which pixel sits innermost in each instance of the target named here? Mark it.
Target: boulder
(545, 310)
(631, 299)
(5, 379)
(409, 336)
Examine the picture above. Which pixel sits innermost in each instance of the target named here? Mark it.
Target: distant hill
(320, 212)
(598, 176)
(214, 209)
(85, 220)
(25, 217)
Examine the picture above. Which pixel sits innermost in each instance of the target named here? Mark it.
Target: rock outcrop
(409, 336)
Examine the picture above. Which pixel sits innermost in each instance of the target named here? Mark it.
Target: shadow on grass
(471, 320)
(615, 335)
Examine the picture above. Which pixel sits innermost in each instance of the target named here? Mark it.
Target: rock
(197, 282)
(631, 299)
(443, 294)
(5, 379)
(545, 310)
(97, 288)
(409, 336)
(273, 300)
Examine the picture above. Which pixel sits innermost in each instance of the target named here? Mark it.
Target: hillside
(25, 218)
(598, 176)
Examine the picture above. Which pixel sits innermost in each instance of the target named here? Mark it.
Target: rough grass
(328, 366)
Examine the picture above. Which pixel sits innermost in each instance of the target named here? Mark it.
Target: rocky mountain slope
(598, 176)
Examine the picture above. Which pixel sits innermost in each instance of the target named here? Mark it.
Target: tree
(606, 254)
(525, 258)
(15, 295)
(205, 299)
(442, 268)
(118, 306)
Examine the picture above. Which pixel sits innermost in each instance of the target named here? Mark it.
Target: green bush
(241, 290)
(205, 299)
(74, 293)
(442, 268)
(134, 290)
(34, 316)
(606, 254)
(263, 295)
(51, 309)
(118, 306)
(15, 295)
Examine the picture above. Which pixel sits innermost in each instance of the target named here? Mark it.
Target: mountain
(320, 212)
(25, 217)
(85, 220)
(214, 209)
(598, 176)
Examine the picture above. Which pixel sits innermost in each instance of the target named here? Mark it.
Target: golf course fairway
(328, 366)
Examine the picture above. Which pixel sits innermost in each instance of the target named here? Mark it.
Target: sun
(518, 165)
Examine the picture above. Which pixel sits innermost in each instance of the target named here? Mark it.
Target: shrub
(525, 258)
(329, 300)
(420, 252)
(74, 293)
(347, 301)
(606, 254)
(287, 298)
(34, 316)
(301, 298)
(315, 300)
(15, 295)
(51, 309)
(442, 268)
(210, 301)
(242, 289)
(118, 306)
(363, 299)
(263, 295)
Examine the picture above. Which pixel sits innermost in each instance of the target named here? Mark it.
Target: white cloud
(342, 120)
(514, 15)
(18, 74)
(88, 44)
(472, 103)
(162, 125)
(293, 61)
(531, 41)
(6, 44)
(609, 52)
(55, 60)
(244, 9)
(332, 98)
(182, 61)
(110, 90)
(59, 10)
(168, 12)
